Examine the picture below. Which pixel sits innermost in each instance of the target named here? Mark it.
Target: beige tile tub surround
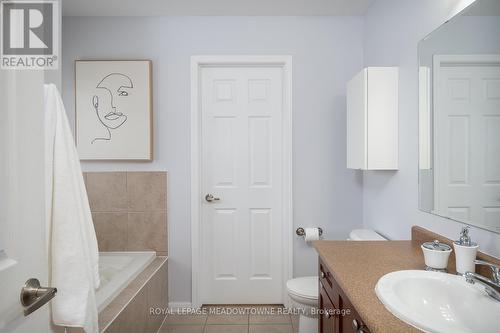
(129, 312)
(129, 210)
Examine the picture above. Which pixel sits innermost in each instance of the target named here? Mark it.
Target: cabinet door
(351, 322)
(382, 119)
(327, 318)
(327, 283)
(346, 321)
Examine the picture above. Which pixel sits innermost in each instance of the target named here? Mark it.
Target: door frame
(197, 64)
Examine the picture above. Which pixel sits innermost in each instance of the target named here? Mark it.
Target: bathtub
(117, 270)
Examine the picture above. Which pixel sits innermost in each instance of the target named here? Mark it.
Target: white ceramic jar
(436, 255)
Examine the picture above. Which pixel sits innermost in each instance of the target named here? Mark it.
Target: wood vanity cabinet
(337, 313)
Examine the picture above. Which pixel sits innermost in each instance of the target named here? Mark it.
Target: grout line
(162, 322)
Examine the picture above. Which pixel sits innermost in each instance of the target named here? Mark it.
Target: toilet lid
(306, 287)
(364, 234)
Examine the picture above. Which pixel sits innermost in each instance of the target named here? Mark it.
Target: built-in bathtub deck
(130, 310)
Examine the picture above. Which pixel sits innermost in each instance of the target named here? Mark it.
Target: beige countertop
(357, 266)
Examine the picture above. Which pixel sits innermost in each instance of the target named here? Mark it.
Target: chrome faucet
(489, 284)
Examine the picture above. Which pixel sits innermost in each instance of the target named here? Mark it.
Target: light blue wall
(390, 199)
(326, 52)
(463, 35)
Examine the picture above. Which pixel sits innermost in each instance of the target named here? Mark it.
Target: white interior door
(468, 144)
(22, 213)
(242, 226)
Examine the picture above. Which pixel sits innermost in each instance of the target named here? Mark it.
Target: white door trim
(197, 63)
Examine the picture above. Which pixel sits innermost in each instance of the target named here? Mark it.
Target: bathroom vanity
(349, 271)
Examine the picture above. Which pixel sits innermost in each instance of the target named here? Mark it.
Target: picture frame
(114, 109)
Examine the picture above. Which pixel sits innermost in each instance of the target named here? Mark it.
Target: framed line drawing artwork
(113, 109)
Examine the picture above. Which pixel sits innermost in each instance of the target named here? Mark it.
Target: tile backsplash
(129, 210)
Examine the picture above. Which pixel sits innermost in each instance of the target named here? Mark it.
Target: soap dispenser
(465, 252)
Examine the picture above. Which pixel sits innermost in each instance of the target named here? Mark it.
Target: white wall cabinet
(372, 119)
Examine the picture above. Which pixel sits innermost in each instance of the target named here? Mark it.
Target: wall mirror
(459, 117)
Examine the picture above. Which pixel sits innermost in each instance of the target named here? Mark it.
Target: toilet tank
(365, 235)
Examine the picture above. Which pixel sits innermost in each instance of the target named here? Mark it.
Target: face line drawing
(113, 83)
(95, 101)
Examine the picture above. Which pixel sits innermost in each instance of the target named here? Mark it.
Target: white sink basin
(438, 302)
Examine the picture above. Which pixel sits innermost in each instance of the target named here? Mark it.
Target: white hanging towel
(73, 249)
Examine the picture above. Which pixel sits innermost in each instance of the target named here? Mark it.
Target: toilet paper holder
(301, 232)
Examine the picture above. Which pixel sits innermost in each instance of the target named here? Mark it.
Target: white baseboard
(179, 305)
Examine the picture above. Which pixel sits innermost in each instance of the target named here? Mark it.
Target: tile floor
(255, 319)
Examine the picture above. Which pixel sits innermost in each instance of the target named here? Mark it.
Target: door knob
(210, 198)
(33, 296)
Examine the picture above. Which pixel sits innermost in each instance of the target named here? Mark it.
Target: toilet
(365, 235)
(304, 294)
(304, 291)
